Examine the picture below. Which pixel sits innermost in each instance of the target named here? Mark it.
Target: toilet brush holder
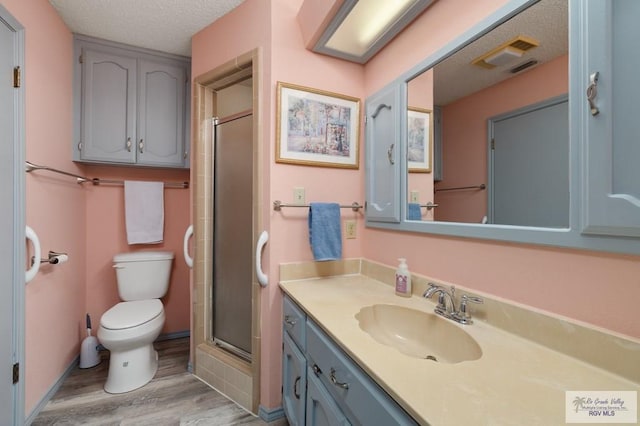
(89, 356)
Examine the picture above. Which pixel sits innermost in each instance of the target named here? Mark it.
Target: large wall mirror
(498, 137)
(488, 127)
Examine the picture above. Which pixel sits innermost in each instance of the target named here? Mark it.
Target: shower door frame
(204, 109)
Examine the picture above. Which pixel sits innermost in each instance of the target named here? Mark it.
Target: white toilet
(129, 328)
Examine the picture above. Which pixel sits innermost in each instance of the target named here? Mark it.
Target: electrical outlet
(350, 229)
(298, 195)
(414, 196)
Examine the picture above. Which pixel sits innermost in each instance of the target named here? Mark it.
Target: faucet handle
(462, 316)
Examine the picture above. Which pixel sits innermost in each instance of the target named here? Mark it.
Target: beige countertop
(515, 382)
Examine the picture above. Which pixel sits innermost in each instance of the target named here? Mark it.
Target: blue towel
(414, 212)
(325, 235)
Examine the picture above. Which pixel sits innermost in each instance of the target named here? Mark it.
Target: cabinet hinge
(80, 59)
(365, 119)
(493, 144)
(16, 77)
(16, 373)
(79, 146)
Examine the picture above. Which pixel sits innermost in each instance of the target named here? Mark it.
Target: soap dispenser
(403, 279)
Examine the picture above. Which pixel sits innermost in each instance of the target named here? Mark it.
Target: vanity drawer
(355, 392)
(293, 320)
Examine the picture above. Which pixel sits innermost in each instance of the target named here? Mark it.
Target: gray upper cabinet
(131, 106)
(161, 113)
(383, 163)
(611, 197)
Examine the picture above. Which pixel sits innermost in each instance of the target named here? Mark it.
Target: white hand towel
(144, 212)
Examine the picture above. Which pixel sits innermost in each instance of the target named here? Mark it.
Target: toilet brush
(89, 356)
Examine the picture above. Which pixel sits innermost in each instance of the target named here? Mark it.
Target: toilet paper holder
(53, 259)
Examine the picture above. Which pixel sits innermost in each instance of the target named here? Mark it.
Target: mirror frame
(570, 237)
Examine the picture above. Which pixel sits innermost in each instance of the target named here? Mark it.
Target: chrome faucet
(448, 310)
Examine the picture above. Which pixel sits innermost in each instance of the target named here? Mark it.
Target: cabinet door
(161, 114)
(108, 107)
(294, 382)
(383, 156)
(612, 190)
(321, 409)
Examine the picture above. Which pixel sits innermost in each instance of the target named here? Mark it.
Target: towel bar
(277, 205)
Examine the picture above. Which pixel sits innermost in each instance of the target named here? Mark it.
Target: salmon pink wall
(464, 149)
(273, 27)
(80, 220)
(106, 236)
(420, 95)
(54, 204)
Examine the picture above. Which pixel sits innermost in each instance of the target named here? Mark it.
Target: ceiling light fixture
(360, 28)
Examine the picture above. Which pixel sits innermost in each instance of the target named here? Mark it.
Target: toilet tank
(143, 274)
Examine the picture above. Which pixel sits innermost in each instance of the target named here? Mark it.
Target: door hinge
(80, 59)
(16, 373)
(16, 77)
(493, 144)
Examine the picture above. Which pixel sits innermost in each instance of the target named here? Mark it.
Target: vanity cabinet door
(611, 200)
(161, 114)
(294, 382)
(383, 156)
(108, 117)
(321, 409)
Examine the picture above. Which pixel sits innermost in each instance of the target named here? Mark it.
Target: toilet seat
(126, 315)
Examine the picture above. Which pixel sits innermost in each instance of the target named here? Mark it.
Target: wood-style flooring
(173, 397)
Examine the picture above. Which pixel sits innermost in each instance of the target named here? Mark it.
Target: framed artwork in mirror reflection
(419, 135)
(316, 128)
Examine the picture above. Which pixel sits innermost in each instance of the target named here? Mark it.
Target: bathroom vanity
(335, 369)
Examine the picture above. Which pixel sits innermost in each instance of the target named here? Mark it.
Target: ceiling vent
(505, 53)
(524, 66)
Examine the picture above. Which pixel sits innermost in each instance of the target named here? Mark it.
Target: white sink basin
(418, 334)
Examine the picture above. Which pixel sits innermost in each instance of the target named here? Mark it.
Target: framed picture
(419, 130)
(316, 128)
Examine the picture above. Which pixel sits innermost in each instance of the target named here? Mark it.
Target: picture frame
(316, 127)
(419, 139)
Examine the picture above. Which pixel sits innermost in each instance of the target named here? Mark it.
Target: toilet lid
(131, 314)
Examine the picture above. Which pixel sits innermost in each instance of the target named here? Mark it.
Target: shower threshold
(232, 349)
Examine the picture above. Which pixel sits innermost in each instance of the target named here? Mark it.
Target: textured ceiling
(546, 21)
(164, 25)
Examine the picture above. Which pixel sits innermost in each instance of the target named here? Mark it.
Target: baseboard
(52, 391)
(174, 335)
(269, 415)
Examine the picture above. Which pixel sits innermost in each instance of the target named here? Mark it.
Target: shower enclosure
(233, 233)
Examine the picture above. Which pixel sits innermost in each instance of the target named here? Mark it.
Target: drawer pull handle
(296, 393)
(289, 320)
(332, 377)
(316, 370)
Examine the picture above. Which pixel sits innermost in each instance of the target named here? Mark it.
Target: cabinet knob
(141, 146)
(128, 144)
(289, 320)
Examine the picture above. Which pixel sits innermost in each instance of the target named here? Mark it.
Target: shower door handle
(185, 247)
(31, 235)
(262, 277)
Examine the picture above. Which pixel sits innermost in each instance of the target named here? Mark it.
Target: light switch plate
(414, 196)
(298, 195)
(349, 229)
